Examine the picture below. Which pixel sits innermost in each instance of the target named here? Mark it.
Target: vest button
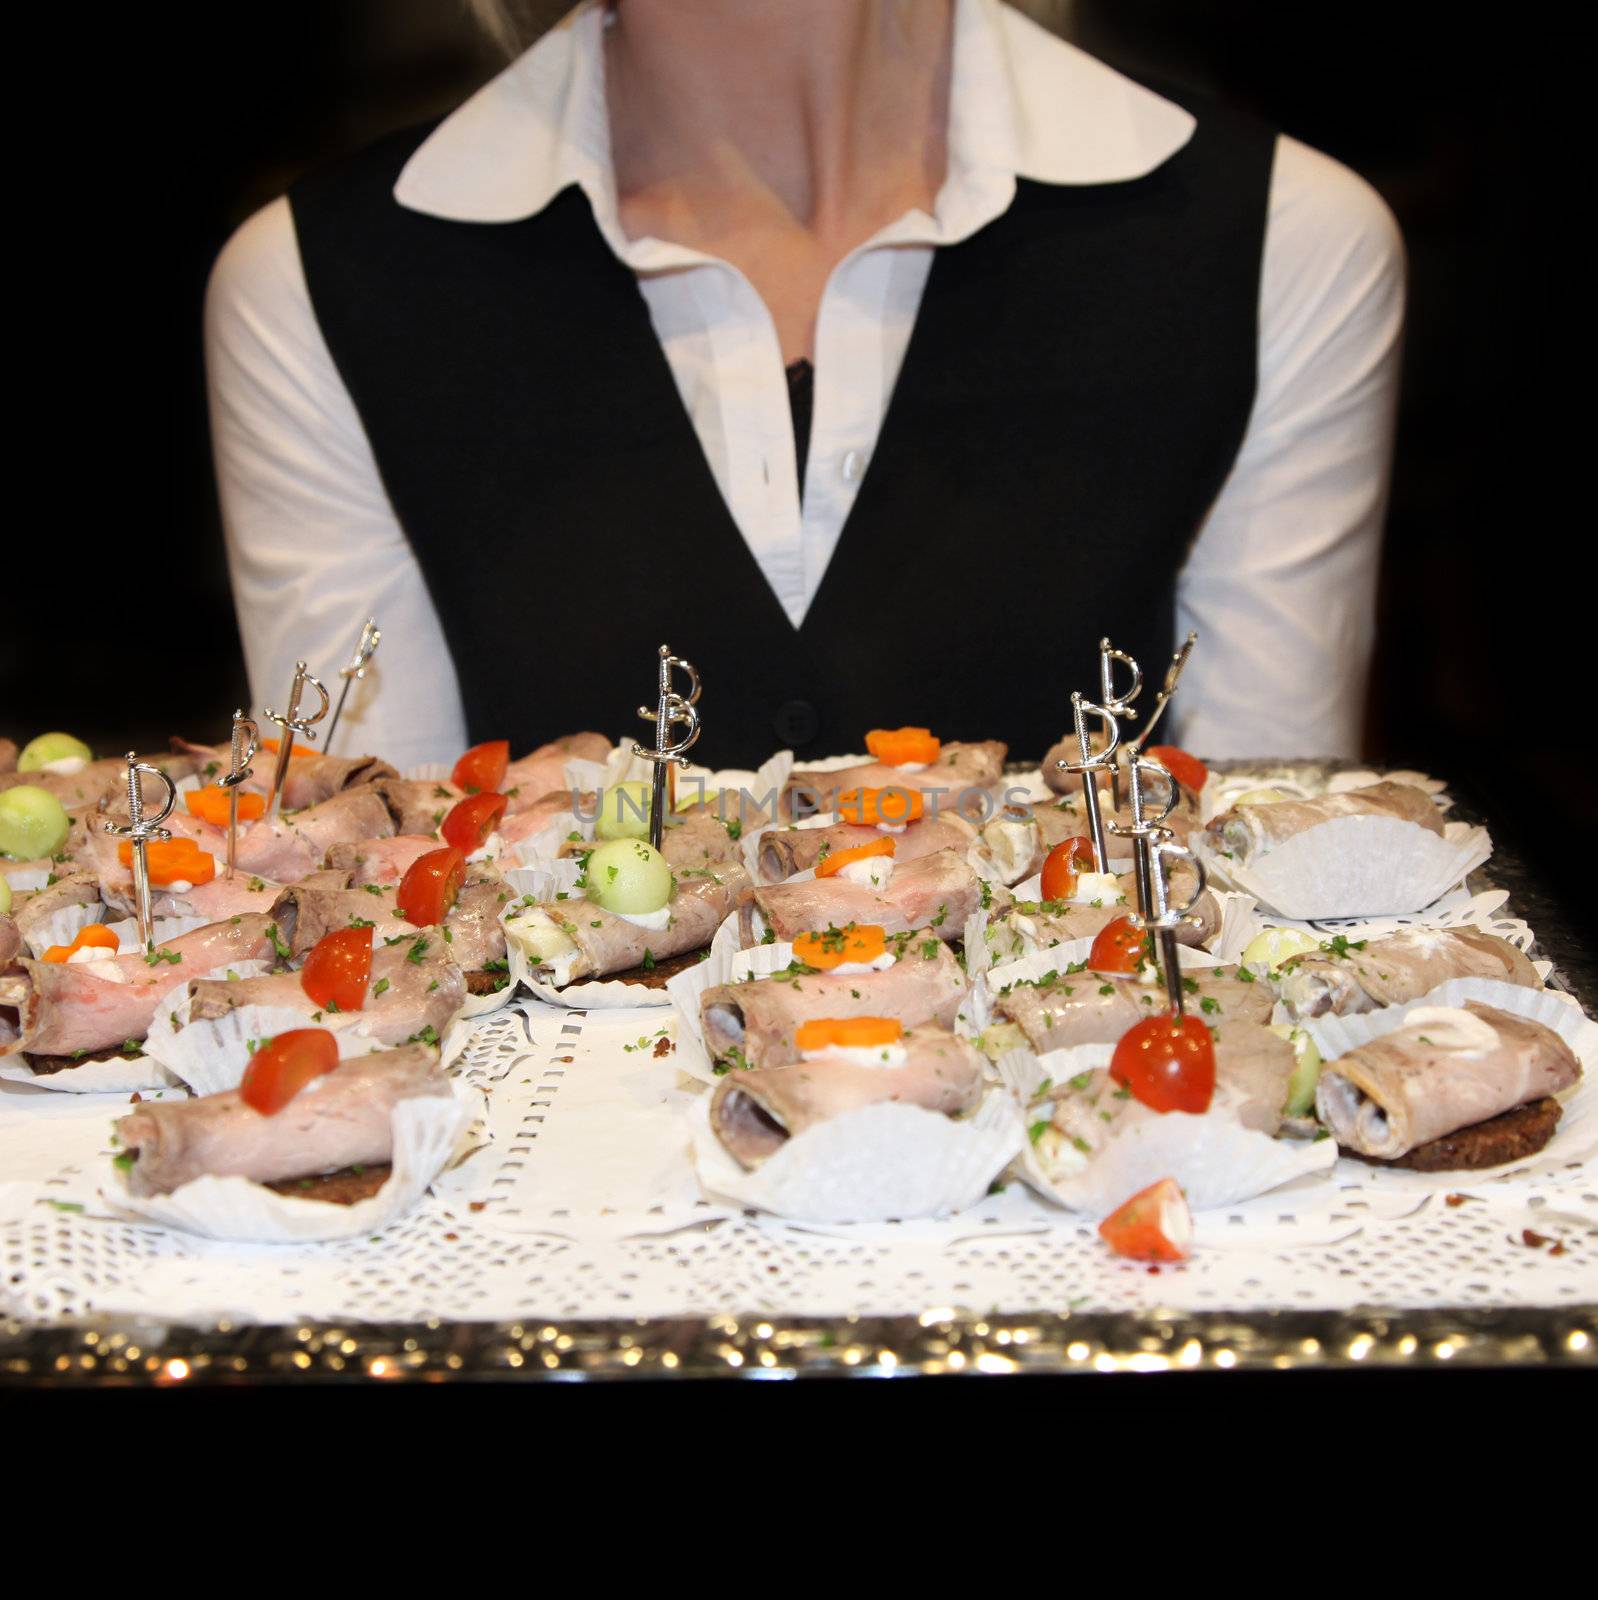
(796, 722)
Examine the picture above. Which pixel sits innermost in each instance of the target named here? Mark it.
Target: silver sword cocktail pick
(1090, 766)
(246, 741)
(365, 649)
(141, 830)
(1173, 676)
(1168, 918)
(671, 709)
(1118, 705)
(1145, 828)
(291, 722)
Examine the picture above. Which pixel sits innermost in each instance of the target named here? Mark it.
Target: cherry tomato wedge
(338, 969)
(430, 886)
(1062, 864)
(1119, 946)
(471, 820)
(1154, 1225)
(482, 769)
(1168, 1063)
(1188, 770)
(284, 1065)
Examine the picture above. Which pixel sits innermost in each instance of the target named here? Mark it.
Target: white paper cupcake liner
(1575, 1141)
(1056, 958)
(427, 1130)
(875, 1164)
(1217, 1161)
(726, 963)
(25, 880)
(541, 851)
(429, 772)
(1355, 867)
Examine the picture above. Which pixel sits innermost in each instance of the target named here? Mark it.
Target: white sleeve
(1281, 582)
(313, 544)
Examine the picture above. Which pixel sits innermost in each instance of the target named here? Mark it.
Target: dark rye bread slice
(1511, 1136)
(646, 977)
(485, 982)
(342, 1188)
(47, 1064)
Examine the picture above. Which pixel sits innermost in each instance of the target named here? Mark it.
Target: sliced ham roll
(753, 1024)
(1247, 831)
(288, 848)
(10, 947)
(698, 838)
(607, 943)
(1404, 966)
(102, 780)
(548, 808)
(1446, 1068)
(755, 1113)
(1028, 925)
(530, 778)
(1253, 1071)
(8, 756)
(960, 767)
(785, 851)
(311, 778)
(55, 1009)
(1097, 1008)
(32, 911)
(339, 1120)
(379, 861)
(938, 891)
(414, 805)
(419, 994)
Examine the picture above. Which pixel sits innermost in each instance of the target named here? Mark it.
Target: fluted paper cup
(1217, 1161)
(878, 1163)
(427, 1131)
(726, 963)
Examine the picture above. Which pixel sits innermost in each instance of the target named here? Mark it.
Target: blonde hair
(514, 24)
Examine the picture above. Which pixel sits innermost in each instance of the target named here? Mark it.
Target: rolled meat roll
(339, 1120)
(415, 986)
(755, 1113)
(57, 1009)
(938, 891)
(1445, 1069)
(1088, 1007)
(959, 767)
(752, 1024)
(577, 939)
(785, 851)
(1247, 831)
(1402, 967)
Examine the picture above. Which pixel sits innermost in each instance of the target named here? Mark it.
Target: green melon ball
(5, 897)
(33, 823)
(39, 753)
(628, 876)
(625, 813)
(1265, 952)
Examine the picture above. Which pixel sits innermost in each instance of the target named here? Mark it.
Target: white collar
(1023, 104)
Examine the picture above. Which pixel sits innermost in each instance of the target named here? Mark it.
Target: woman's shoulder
(1321, 209)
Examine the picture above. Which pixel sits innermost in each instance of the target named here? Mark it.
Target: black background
(147, 141)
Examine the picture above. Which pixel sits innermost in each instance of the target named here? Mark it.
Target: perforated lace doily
(584, 1205)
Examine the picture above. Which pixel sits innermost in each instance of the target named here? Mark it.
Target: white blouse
(1281, 577)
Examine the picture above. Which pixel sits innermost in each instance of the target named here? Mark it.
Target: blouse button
(854, 466)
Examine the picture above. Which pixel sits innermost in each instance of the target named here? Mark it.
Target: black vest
(1075, 391)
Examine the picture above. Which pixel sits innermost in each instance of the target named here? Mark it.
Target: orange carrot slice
(876, 808)
(210, 805)
(897, 747)
(300, 753)
(172, 860)
(95, 935)
(858, 942)
(829, 865)
(848, 1033)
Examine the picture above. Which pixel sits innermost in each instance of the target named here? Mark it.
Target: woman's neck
(778, 135)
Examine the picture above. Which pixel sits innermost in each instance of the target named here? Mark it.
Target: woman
(878, 355)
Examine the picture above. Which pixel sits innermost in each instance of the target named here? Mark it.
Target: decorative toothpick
(291, 722)
(671, 709)
(365, 649)
(1118, 705)
(1173, 675)
(141, 830)
(246, 741)
(1145, 828)
(1090, 766)
(1168, 918)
